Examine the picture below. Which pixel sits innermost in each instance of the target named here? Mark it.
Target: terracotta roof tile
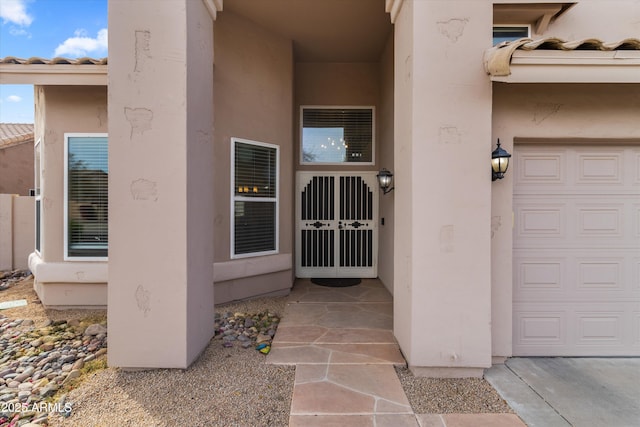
(53, 61)
(15, 133)
(498, 58)
(553, 43)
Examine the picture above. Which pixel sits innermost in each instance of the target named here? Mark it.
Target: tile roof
(554, 43)
(54, 61)
(15, 133)
(498, 58)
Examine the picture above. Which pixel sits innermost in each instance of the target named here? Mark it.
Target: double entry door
(336, 224)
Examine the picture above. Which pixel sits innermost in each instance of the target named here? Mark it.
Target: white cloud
(15, 11)
(82, 45)
(17, 31)
(14, 98)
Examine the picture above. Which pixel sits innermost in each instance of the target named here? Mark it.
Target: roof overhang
(587, 61)
(59, 71)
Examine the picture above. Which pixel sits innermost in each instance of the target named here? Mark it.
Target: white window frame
(66, 196)
(340, 107)
(37, 161)
(527, 26)
(235, 198)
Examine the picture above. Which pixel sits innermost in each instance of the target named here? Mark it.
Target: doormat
(336, 282)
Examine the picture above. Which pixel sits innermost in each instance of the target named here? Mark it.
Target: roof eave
(544, 66)
(59, 74)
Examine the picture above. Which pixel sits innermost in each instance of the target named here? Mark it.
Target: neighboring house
(16, 158)
(243, 147)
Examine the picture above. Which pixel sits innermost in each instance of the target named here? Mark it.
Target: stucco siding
(610, 20)
(253, 100)
(67, 109)
(448, 257)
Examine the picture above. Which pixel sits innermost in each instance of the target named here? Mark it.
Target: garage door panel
(590, 329)
(534, 168)
(540, 274)
(577, 222)
(599, 168)
(576, 169)
(570, 275)
(600, 220)
(576, 250)
(599, 328)
(540, 220)
(540, 326)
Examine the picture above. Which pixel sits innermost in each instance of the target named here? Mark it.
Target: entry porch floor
(341, 341)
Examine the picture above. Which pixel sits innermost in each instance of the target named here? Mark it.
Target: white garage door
(576, 250)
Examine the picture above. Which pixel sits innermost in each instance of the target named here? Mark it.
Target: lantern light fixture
(385, 178)
(499, 162)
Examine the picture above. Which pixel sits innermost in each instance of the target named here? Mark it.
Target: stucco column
(442, 279)
(160, 303)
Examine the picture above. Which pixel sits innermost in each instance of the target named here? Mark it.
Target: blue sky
(47, 28)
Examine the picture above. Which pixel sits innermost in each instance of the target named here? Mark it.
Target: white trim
(213, 7)
(579, 66)
(392, 7)
(65, 217)
(253, 199)
(340, 107)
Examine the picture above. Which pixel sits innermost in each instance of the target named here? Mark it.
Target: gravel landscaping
(451, 395)
(229, 385)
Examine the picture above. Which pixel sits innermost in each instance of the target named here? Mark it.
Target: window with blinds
(86, 196)
(254, 229)
(336, 135)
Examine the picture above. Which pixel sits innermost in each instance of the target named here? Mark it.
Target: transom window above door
(337, 135)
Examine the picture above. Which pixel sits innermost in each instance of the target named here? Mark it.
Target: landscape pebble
(41, 360)
(246, 329)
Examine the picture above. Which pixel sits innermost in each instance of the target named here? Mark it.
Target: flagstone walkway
(342, 344)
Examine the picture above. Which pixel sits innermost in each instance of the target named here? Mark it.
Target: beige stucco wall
(79, 109)
(60, 110)
(610, 20)
(559, 113)
(161, 201)
(403, 135)
(442, 298)
(253, 100)
(16, 168)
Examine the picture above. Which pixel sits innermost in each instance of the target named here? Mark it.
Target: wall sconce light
(499, 162)
(384, 179)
